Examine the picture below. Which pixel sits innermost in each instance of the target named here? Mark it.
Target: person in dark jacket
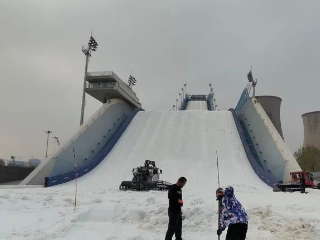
(174, 211)
(233, 216)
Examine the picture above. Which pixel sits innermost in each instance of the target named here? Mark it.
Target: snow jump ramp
(181, 143)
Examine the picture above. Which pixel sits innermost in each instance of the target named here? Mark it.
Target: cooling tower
(271, 104)
(311, 123)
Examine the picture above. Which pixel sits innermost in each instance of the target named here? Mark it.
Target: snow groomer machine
(146, 178)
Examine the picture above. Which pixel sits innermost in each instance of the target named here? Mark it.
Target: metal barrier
(100, 85)
(206, 98)
(184, 104)
(211, 102)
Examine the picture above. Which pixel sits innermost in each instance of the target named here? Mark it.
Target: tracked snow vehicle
(299, 181)
(146, 178)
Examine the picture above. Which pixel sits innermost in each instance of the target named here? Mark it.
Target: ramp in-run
(197, 105)
(182, 143)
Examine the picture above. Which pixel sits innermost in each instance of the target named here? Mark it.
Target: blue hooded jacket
(232, 211)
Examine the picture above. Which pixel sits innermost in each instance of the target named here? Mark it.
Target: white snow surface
(197, 105)
(182, 144)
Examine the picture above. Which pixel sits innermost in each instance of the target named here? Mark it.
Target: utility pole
(92, 46)
(48, 132)
(83, 90)
(177, 101)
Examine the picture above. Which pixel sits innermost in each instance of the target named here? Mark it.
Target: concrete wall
(89, 140)
(311, 123)
(271, 105)
(273, 152)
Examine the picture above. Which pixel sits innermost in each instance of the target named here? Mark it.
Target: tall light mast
(48, 132)
(92, 46)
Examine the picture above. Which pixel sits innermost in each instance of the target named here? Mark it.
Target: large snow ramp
(272, 151)
(87, 148)
(182, 143)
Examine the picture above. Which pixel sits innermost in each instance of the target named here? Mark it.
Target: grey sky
(164, 43)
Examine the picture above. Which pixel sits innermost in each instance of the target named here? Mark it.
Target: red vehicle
(298, 177)
(299, 181)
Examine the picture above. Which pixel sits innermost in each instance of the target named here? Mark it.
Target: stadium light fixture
(91, 47)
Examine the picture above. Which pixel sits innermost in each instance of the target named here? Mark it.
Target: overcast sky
(164, 44)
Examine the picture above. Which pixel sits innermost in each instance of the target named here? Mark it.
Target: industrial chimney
(311, 123)
(271, 105)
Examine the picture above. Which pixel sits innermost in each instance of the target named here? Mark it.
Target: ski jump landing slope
(182, 144)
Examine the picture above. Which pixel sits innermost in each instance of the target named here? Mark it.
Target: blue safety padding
(105, 150)
(243, 99)
(264, 174)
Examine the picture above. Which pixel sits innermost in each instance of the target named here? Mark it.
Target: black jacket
(174, 195)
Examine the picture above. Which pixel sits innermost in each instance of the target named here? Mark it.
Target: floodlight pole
(48, 136)
(177, 101)
(87, 53)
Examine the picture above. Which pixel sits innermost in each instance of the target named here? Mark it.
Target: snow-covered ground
(182, 144)
(108, 214)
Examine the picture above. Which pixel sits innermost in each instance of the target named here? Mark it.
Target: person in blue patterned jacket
(232, 215)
